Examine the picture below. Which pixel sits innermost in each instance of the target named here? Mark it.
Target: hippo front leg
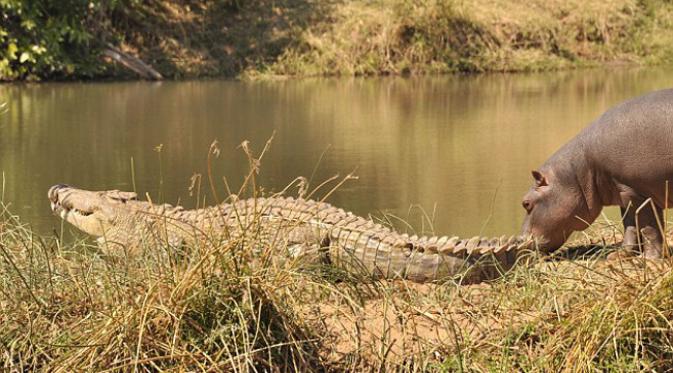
(649, 240)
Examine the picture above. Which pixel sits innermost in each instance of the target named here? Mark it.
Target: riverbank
(70, 306)
(264, 39)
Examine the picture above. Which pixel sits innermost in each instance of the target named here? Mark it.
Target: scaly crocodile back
(359, 244)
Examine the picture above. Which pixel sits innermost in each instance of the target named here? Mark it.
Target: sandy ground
(434, 320)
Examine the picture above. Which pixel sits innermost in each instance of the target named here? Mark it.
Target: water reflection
(461, 147)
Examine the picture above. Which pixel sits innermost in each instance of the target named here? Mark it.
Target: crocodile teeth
(83, 213)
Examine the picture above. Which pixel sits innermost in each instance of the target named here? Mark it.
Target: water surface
(458, 149)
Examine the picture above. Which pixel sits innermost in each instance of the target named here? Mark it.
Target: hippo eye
(527, 205)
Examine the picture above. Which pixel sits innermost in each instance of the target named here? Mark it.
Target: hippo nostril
(53, 192)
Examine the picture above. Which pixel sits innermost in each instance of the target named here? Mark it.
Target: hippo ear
(540, 180)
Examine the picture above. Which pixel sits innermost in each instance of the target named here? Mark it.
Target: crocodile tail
(423, 259)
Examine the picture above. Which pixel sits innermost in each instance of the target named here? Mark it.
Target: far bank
(298, 38)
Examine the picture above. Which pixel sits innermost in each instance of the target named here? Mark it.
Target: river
(450, 154)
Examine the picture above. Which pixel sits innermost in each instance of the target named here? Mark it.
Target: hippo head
(553, 209)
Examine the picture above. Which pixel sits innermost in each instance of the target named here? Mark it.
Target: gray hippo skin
(624, 158)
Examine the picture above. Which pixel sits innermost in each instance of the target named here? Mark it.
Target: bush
(46, 38)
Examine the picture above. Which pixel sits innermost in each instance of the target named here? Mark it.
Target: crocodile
(303, 227)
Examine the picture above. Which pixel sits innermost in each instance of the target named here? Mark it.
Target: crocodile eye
(527, 205)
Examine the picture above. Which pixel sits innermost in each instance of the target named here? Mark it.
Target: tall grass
(72, 307)
(430, 36)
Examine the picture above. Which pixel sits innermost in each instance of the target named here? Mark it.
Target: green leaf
(25, 56)
(38, 49)
(11, 51)
(28, 24)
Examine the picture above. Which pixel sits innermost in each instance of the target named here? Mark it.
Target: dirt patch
(430, 324)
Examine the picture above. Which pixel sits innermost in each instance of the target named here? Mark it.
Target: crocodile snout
(53, 192)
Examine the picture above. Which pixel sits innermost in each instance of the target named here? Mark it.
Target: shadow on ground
(583, 252)
(214, 38)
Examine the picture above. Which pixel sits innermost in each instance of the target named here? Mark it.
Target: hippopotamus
(624, 158)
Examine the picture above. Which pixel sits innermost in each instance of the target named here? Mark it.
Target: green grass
(70, 307)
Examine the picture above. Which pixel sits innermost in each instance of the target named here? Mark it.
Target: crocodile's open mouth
(62, 207)
(63, 211)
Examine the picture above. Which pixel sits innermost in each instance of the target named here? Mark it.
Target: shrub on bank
(47, 38)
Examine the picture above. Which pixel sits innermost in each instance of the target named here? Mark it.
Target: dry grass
(72, 307)
(401, 36)
(66, 307)
(270, 38)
